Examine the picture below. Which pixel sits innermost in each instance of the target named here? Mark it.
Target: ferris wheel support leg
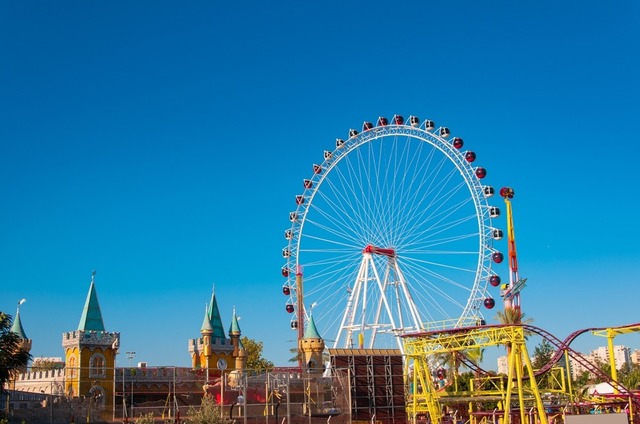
(417, 322)
(382, 287)
(348, 318)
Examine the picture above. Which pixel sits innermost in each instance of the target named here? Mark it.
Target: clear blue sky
(162, 144)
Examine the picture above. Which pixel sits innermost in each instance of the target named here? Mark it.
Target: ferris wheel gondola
(391, 234)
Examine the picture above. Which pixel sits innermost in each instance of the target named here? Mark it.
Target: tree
(542, 354)
(12, 357)
(209, 412)
(512, 316)
(629, 375)
(46, 364)
(255, 361)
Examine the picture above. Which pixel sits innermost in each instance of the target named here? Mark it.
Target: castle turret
(311, 347)
(234, 332)
(241, 357)
(206, 331)
(90, 354)
(16, 327)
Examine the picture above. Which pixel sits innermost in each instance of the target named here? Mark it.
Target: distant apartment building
(635, 356)
(503, 364)
(621, 355)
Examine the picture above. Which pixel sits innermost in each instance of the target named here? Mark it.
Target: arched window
(71, 368)
(97, 365)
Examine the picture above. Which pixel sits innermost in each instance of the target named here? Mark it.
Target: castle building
(88, 374)
(213, 352)
(90, 354)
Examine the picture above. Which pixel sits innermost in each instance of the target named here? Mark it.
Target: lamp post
(130, 356)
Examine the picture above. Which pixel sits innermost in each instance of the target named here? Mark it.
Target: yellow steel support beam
(425, 398)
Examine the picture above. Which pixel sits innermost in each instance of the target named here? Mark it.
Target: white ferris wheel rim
(338, 192)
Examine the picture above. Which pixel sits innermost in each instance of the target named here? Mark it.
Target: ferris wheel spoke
(392, 232)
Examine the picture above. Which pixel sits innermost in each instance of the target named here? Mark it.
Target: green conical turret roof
(17, 327)
(91, 319)
(311, 332)
(235, 327)
(206, 322)
(214, 317)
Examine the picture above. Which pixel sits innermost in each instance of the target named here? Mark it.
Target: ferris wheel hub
(379, 251)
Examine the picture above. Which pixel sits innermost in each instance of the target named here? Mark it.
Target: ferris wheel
(391, 235)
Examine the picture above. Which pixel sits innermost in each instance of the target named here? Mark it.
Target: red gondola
(507, 192)
(458, 142)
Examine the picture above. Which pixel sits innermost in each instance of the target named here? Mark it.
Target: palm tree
(12, 357)
(512, 316)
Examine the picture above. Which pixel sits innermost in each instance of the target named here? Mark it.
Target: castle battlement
(217, 345)
(93, 338)
(44, 376)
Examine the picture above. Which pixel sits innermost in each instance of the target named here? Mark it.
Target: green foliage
(542, 354)
(209, 412)
(463, 382)
(11, 357)
(512, 316)
(46, 364)
(255, 361)
(629, 375)
(145, 419)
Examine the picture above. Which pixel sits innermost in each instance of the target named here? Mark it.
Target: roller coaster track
(561, 348)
